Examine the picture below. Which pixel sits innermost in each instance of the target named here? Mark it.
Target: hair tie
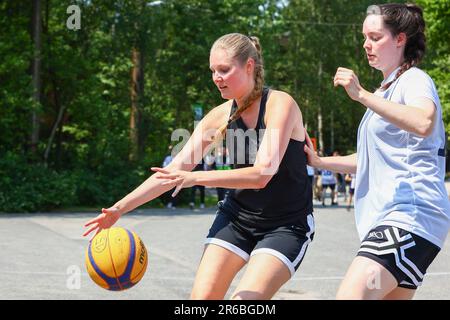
(251, 40)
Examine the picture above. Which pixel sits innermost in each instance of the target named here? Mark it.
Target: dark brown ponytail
(407, 19)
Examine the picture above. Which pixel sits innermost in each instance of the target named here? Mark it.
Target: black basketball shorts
(287, 242)
(405, 255)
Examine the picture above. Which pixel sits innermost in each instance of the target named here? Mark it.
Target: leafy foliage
(86, 78)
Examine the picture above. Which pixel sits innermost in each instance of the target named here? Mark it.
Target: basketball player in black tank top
(266, 221)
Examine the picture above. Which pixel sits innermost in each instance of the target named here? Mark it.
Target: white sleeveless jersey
(400, 176)
(328, 177)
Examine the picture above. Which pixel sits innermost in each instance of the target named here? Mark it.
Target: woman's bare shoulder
(280, 100)
(219, 114)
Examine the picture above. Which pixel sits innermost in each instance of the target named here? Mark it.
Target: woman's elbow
(261, 183)
(425, 129)
(263, 174)
(263, 180)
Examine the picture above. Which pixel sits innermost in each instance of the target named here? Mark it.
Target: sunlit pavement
(43, 256)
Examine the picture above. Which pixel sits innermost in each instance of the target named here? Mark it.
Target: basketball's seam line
(144, 268)
(129, 257)
(112, 262)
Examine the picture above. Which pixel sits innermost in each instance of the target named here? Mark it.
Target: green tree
(437, 58)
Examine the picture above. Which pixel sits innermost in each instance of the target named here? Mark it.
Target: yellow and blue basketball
(116, 259)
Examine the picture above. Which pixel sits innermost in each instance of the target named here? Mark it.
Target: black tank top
(287, 198)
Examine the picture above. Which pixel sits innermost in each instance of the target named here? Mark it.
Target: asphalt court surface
(42, 256)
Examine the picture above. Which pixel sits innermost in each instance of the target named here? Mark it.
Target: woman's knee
(248, 295)
(366, 279)
(356, 293)
(206, 293)
(348, 295)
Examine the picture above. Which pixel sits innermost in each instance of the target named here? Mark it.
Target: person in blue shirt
(328, 181)
(401, 205)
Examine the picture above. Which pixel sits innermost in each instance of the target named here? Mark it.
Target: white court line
(331, 278)
(430, 274)
(317, 278)
(39, 273)
(84, 274)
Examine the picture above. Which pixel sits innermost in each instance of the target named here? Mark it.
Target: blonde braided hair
(242, 48)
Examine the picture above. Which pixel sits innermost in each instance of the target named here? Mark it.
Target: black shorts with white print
(405, 255)
(287, 242)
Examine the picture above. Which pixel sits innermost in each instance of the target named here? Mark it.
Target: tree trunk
(319, 113)
(56, 125)
(36, 74)
(332, 131)
(137, 88)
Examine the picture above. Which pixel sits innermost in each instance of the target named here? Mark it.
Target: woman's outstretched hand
(312, 157)
(177, 178)
(105, 220)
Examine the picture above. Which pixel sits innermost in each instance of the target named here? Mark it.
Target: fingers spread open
(177, 189)
(157, 169)
(173, 181)
(95, 220)
(167, 176)
(99, 229)
(90, 230)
